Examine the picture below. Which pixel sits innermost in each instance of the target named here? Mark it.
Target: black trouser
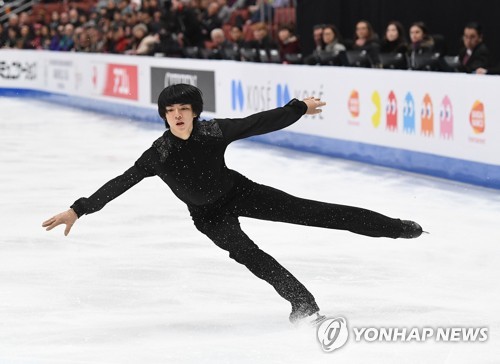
(219, 221)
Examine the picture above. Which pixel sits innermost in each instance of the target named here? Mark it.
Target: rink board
(434, 123)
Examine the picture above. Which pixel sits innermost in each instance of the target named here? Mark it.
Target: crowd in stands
(242, 30)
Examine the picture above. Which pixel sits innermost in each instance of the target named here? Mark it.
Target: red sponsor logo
(121, 81)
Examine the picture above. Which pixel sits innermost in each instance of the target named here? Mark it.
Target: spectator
(64, 19)
(156, 24)
(82, 41)
(45, 37)
(54, 20)
(3, 35)
(261, 40)
(236, 36)
(331, 40)
(218, 45)
(66, 42)
(25, 39)
(73, 18)
(139, 32)
(421, 41)
(328, 47)
(394, 40)
(210, 20)
(287, 42)
(365, 39)
(474, 53)
(12, 38)
(97, 42)
(13, 22)
(182, 22)
(117, 42)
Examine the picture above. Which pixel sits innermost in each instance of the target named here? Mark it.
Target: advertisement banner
(204, 80)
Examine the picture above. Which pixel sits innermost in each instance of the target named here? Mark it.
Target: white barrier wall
(442, 124)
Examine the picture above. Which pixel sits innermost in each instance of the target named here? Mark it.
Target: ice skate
(411, 230)
(305, 312)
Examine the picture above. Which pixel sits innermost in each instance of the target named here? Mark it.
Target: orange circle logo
(477, 117)
(353, 104)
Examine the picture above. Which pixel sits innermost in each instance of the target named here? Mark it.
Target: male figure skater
(189, 158)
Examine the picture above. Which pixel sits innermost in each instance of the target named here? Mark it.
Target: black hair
(180, 93)
(476, 26)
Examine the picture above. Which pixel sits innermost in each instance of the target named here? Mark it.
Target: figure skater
(189, 158)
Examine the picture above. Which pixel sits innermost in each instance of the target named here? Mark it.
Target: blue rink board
(481, 174)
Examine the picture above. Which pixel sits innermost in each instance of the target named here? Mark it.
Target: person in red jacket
(189, 158)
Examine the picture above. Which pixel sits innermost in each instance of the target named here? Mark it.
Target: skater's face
(180, 119)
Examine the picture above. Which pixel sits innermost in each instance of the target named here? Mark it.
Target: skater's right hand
(67, 217)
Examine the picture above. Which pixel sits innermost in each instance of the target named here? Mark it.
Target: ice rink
(137, 283)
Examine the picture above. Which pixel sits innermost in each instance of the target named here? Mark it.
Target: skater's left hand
(313, 105)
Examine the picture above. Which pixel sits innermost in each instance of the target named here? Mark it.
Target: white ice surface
(137, 283)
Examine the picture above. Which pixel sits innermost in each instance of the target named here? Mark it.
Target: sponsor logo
(121, 81)
(409, 114)
(427, 116)
(446, 118)
(59, 74)
(377, 115)
(16, 70)
(391, 112)
(477, 117)
(353, 104)
(237, 96)
(204, 80)
(282, 95)
(332, 334)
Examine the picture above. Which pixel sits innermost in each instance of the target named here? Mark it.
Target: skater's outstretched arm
(142, 168)
(269, 121)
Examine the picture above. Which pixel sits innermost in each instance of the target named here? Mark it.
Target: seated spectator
(12, 39)
(287, 42)
(474, 53)
(218, 46)
(139, 32)
(54, 20)
(236, 37)
(66, 42)
(365, 39)
(3, 35)
(261, 40)
(394, 40)
(421, 42)
(25, 39)
(117, 42)
(82, 41)
(328, 49)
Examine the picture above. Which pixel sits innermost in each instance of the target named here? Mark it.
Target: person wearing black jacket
(474, 54)
(189, 158)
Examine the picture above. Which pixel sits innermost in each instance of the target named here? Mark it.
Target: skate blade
(317, 320)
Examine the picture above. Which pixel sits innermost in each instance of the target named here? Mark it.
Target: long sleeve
(263, 122)
(142, 168)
